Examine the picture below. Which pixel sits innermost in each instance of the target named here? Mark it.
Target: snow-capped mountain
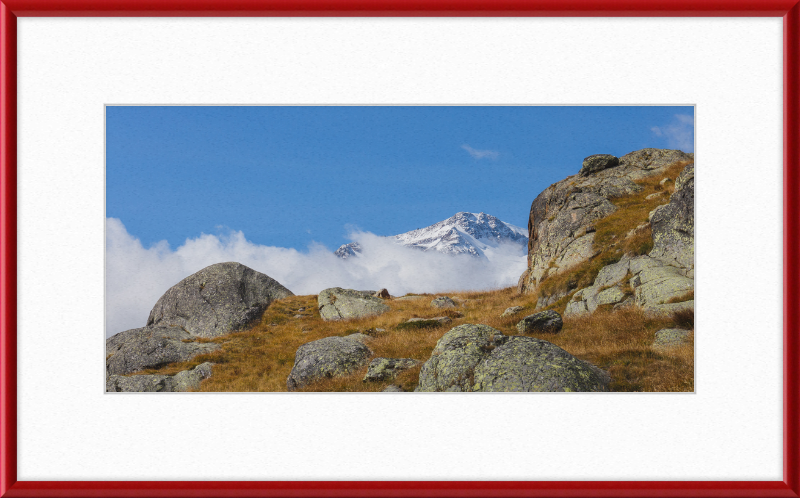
(464, 233)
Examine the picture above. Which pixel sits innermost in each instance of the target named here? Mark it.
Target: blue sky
(290, 176)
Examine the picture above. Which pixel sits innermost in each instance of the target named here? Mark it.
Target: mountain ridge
(462, 233)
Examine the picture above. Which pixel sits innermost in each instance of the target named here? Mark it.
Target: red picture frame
(789, 10)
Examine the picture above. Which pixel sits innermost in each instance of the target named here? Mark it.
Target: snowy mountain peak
(463, 233)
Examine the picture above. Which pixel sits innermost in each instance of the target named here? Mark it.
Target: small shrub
(684, 318)
(418, 325)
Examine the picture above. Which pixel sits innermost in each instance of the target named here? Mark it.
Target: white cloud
(679, 133)
(137, 276)
(481, 154)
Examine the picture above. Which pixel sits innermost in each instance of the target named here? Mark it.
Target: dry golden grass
(260, 359)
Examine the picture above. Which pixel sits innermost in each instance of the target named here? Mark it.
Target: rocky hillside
(463, 233)
(618, 233)
(606, 304)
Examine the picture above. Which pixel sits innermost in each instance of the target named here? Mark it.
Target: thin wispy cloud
(481, 154)
(137, 276)
(679, 134)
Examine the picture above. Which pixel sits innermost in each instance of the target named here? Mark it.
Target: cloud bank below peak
(137, 276)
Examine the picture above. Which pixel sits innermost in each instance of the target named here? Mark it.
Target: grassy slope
(260, 359)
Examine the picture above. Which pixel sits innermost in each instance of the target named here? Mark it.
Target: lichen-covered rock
(479, 358)
(217, 300)
(526, 364)
(598, 162)
(659, 284)
(187, 380)
(457, 353)
(512, 311)
(670, 338)
(393, 388)
(576, 308)
(343, 304)
(667, 310)
(151, 347)
(388, 368)
(443, 302)
(548, 321)
(328, 357)
(654, 282)
(673, 224)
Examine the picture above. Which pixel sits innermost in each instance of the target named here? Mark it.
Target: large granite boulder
(328, 357)
(525, 364)
(479, 358)
(187, 380)
(562, 217)
(342, 304)
(217, 300)
(151, 347)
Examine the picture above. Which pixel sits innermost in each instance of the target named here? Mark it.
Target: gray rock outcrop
(151, 347)
(343, 304)
(562, 217)
(217, 300)
(479, 358)
(388, 368)
(323, 358)
(187, 380)
(673, 224)
(653, 282)
(548, 321)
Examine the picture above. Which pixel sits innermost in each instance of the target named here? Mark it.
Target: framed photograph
(206, 108)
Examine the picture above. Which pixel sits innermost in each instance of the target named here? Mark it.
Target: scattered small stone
(657, 194)
(664, 181)
(393, 388)
(441, 319)
(670, 339)
(387, 368)
(545, 321)
(443, 302)
(511, 311)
